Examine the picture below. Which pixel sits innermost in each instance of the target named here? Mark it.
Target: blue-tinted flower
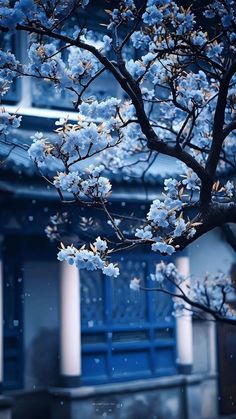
(229, 189)
(158, 214)
(171, 187)
(226, 20)
(152, 16)
(67, 254)
(135, 284)
(214, 50)
(111, 270)
(144, 233)
(192, 181)
(100, 245)
(136, 68)
(199, 38)
(162, 247)
(180, 227)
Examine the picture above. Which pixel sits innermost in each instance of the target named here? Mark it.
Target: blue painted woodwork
(13, 316)
(125, 334)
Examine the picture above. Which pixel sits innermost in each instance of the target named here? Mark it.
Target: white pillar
(212, 355)
(184, 331)
(70, 326)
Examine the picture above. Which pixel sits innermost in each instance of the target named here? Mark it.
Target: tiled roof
(16, 159)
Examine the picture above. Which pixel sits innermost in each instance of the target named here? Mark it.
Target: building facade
(77, 344)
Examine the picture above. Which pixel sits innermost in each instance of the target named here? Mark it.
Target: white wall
(212, 254)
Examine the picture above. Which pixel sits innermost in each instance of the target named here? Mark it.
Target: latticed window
(126, 334)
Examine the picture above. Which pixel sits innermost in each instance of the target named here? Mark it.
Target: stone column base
(175, 397)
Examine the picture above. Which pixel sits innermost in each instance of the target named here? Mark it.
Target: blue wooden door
(126, 334)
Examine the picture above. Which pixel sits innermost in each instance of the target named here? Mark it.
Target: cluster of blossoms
(156, 13)
(40, 151)
(94, 259)
(223, 11)
(166, 271)
(193, 89)
(8, 122)
(23, 11)
(45, 62)
(81, 64)
(127, 152)
(8, 67)
(90, 137)
(150, 70)
(124, 13)
(68, 71)
(103, 110)
(87, 183)
(77, 142)
(94, 186)
(158, 16)
(165, 218)
(212, 291)
(163, 271)
(185, 93)
(191, 180)
(159, 12)
(81, 140)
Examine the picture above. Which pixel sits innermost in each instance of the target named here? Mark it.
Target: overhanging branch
(153, 142)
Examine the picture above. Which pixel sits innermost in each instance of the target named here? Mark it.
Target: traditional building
(77, 344)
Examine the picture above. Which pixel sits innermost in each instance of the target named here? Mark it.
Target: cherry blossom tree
(175, 66)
